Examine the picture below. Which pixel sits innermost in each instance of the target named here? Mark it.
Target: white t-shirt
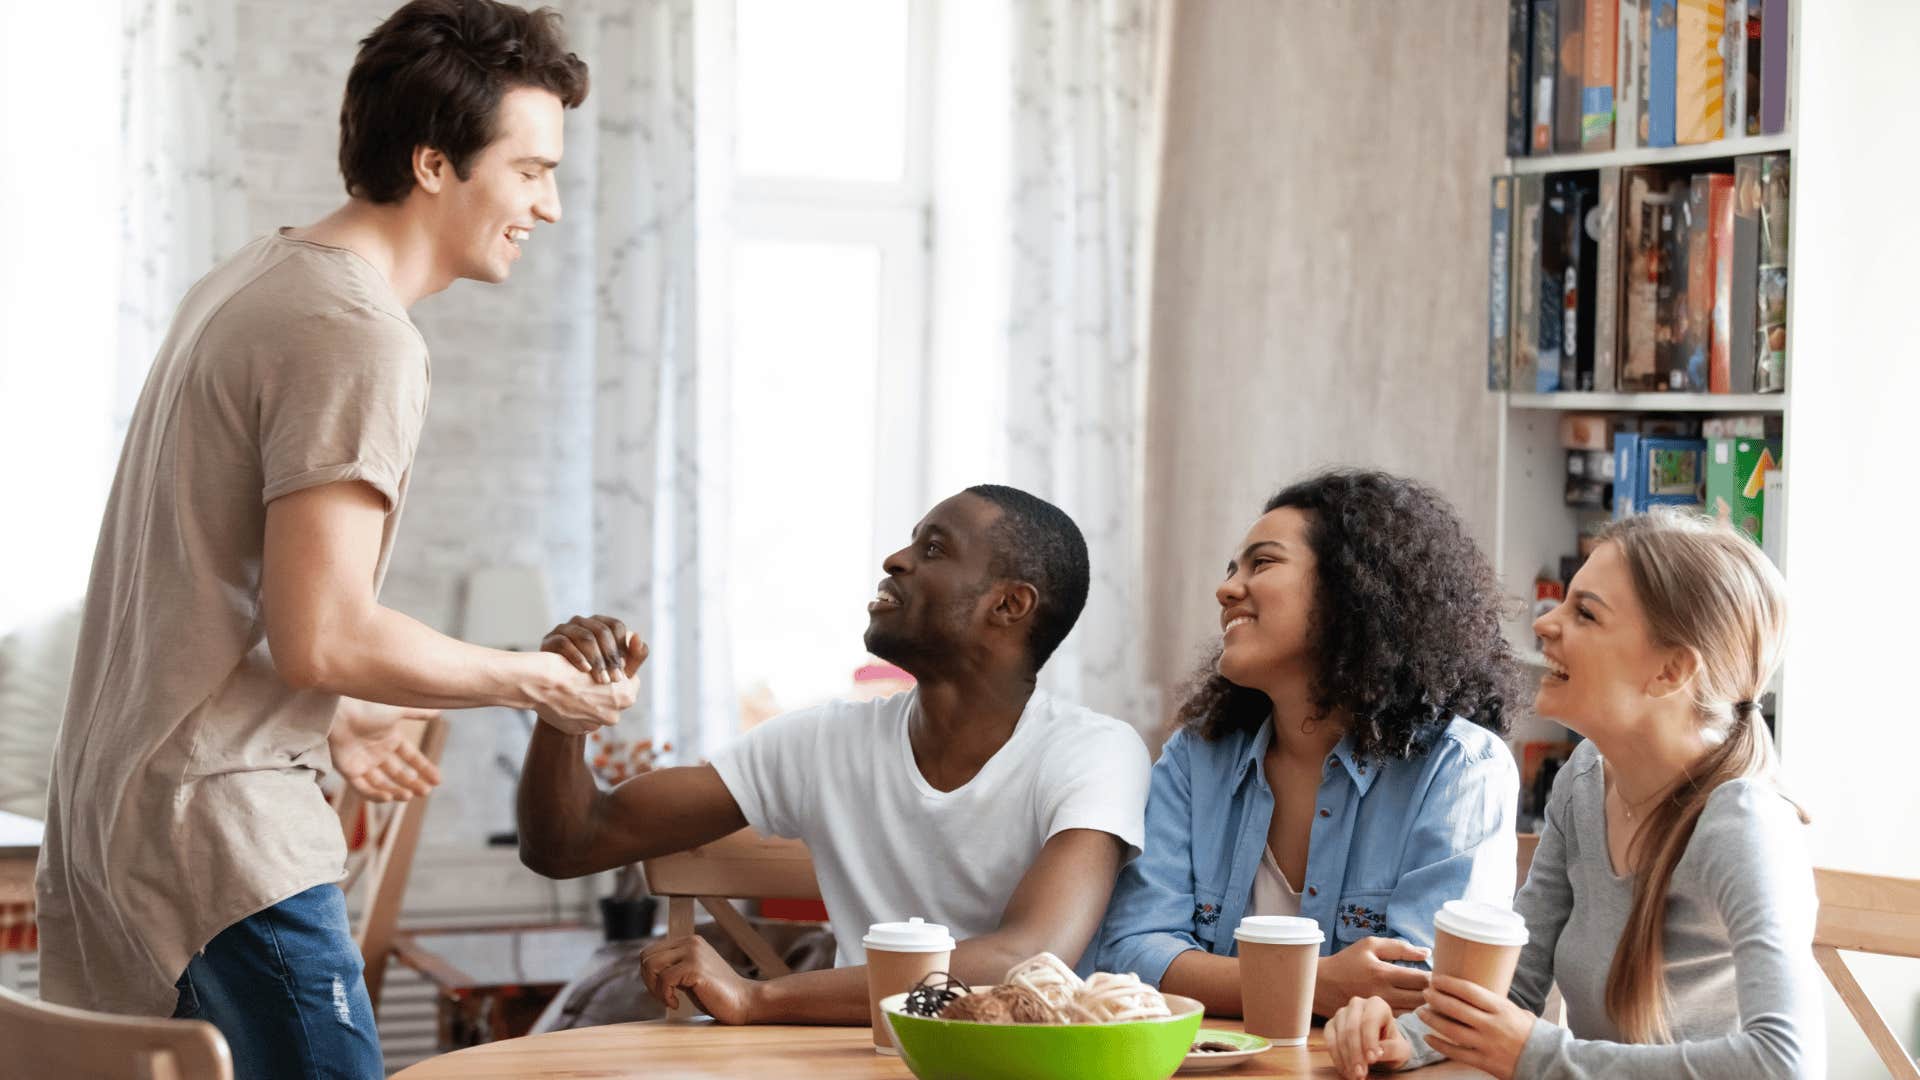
(888, 846)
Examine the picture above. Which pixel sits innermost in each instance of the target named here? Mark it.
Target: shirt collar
(1361, 771)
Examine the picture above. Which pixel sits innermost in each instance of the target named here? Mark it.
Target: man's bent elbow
(302, 667)
(542, 858)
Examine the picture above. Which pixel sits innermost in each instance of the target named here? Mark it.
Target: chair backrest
(1865, 913)
(743, 865)
(54, 1040)
(385, 858)
(1528, 842)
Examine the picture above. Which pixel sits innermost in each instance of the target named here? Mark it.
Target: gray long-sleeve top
(1744, 990)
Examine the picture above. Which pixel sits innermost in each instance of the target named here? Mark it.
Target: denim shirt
(1391, 841)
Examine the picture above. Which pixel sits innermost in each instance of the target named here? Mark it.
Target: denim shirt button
(1313, 890)
(1324, 812)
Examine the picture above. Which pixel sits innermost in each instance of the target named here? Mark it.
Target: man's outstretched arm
(570, 827)
(328, 631)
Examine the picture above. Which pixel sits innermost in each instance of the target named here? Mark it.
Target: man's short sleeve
(343, 397)
(1103, 785)
(770, 770)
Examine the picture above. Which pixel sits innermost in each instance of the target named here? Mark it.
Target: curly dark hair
(1405, 628)
(432, 75)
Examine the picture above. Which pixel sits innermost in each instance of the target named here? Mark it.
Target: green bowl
(964, 1050)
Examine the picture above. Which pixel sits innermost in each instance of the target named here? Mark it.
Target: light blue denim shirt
(1391, 842)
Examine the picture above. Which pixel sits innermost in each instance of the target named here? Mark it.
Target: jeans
(284, 986)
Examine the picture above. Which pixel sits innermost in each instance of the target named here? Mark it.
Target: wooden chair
(1528, 842)
(1864, 913)
(385, 859)
(745, 865)
(54, 1040)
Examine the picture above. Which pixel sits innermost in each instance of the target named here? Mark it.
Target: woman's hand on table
(689, 965)
(1361, 1035)
(1475, 1026)
(1367, 968)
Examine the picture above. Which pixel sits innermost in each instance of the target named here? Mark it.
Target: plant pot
(627, 920)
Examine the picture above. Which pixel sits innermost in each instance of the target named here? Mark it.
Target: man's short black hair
(1036, 542)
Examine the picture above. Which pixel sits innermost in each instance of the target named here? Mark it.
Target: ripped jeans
(284, 986)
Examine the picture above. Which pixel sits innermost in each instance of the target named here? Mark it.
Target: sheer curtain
(637, 138)
(1086, 95)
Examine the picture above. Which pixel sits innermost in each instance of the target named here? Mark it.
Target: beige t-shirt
(185, 791)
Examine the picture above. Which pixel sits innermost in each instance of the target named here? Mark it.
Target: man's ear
(1676, 672)
(1017, 601)
(430, 169)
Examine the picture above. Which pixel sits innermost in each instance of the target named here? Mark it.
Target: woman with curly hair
(1339, 756)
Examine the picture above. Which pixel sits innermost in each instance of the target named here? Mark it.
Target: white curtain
(183, 202)
(1085, 104)
(638, 140)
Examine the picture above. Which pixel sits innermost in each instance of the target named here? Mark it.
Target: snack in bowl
(1041, 1022)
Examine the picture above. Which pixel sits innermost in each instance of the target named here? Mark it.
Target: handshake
(597, 682)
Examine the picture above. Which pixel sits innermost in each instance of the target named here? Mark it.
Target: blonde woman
(1671, 897)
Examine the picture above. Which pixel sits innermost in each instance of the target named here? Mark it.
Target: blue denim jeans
(284, 986)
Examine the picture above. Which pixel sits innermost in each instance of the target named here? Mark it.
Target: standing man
(190, 858)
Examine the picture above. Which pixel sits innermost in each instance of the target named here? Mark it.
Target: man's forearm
(832, 996)
(387, 657)
(555, 806)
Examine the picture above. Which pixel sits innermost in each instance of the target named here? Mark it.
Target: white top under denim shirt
(1745, 998)
(1391, 841)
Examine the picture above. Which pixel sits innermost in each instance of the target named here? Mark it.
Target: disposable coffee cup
(1279, 957)
(900, 954)
(1479, 942)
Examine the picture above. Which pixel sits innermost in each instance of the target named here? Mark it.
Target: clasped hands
(609, 655)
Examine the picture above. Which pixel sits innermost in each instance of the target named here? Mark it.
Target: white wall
(1852, 734)
(1320, 283)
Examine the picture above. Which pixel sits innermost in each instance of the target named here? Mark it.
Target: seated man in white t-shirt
(974, 800)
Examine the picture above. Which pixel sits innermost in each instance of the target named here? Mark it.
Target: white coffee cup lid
(914, 935)
(1279, 930)
(1477, 920)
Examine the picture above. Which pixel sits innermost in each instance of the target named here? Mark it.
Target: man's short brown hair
(433, 75)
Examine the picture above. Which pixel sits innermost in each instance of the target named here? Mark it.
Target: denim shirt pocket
(1360, 914)
(1206, 919)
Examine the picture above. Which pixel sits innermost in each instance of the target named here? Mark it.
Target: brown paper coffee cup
(898, 956)
(1279, 957)
(1475, 961)
(1479, 942)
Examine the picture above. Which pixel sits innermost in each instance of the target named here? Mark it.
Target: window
(58, 297)
(814, 266)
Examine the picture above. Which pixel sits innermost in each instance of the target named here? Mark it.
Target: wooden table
(19, 850)
(691, 1051)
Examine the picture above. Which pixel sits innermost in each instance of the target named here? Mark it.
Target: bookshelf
(1577, 401)
(1534, 527)
(1643, 155)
